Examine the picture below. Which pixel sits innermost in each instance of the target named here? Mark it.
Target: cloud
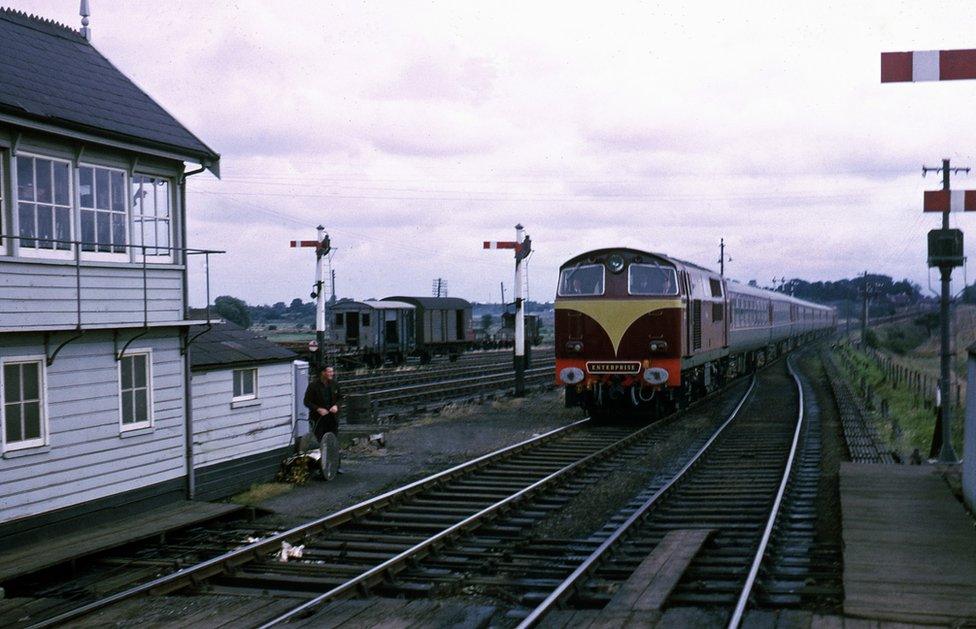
(467, 80)
(415, 130)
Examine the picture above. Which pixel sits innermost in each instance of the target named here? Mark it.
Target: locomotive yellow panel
(615, 316)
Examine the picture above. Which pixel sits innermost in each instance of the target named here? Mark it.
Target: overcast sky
(413, 131)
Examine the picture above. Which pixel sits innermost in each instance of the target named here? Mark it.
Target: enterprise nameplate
(625, 367)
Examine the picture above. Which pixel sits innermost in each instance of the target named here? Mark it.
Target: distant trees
(233, 309)
(882, 287)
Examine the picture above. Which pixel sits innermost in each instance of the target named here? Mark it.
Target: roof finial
(85, 31)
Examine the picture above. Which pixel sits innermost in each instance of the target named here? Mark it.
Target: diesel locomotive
(641, 330)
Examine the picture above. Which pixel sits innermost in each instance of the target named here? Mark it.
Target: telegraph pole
(945, 252)
(864, 309)
(722, 258)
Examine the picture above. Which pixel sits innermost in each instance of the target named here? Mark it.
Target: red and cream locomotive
(642, 330)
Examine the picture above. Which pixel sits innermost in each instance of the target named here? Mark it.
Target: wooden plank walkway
(652, 582)
(638, 601)
(909, 546)
(80, 542)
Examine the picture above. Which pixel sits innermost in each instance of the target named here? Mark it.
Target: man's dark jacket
(320, 395)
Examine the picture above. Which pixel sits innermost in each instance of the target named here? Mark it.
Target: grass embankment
(909, 424)
(261, 492)
(918, 341)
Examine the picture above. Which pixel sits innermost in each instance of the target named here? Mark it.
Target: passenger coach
(640, 329)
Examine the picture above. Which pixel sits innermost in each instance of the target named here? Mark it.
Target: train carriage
(636, 328)
(375, 331)
(441, 325)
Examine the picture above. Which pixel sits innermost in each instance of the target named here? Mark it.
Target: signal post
(322, 247)
(945, 245)
(523, 247)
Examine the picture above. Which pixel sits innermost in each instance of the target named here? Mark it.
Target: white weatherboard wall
(225, 430)
(35, 294)
(87, 457)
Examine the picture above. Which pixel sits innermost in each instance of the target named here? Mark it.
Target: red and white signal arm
(928, 65)
(313, 346)
(501, 244)
(950, 201)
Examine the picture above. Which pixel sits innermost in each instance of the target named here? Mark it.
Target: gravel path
(423, 447)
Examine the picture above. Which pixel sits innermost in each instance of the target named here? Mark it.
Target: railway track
(416, 396)
(370, 532)
(465, 529)
(498, 362)
(731, 484)
(365, 546)
(733, 487)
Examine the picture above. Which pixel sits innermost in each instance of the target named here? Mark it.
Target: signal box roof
(229, 345)
(51, 75)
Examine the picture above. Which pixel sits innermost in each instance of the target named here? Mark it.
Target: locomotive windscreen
(586, 279)
(651, 279)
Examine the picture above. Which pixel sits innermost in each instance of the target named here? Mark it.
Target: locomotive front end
(618, 328)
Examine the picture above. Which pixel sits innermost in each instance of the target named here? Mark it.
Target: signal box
(945, 248)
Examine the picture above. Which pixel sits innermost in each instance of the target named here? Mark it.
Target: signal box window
(24, 421)
(338, 319)
(245, 384)
(44, 203)
(651, 279)
(582, 280)
(151, 215)
(102, 193)
(135, 390)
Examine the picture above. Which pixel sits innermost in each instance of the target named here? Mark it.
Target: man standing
(322, 401)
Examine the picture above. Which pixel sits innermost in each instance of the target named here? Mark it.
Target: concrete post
(969, 435)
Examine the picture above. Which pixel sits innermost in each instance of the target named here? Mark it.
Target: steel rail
(419, 550)
(433, 378)
(391, 399)
(591, 562)
(235, 558)
(740, 607)
(471, 380)
(483, 361)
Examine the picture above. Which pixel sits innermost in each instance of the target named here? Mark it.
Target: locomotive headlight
(574, 346)
(615, 263)
(658, 345)
(571, 375)
(655, 376)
